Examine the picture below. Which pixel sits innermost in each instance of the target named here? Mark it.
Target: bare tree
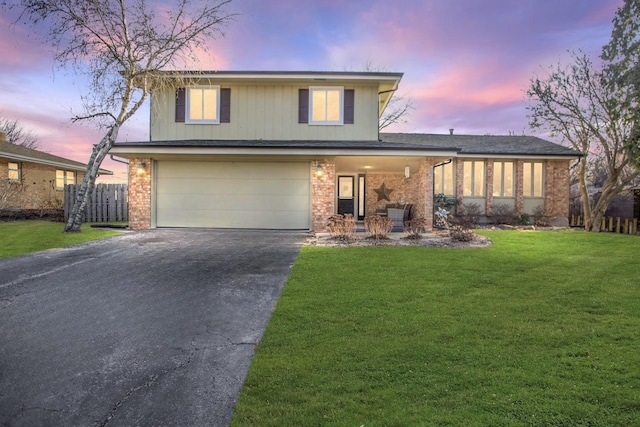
(120, 45)
(622, 68)
(397, 111)
(575, 104)
(18, 134)
(398, 107)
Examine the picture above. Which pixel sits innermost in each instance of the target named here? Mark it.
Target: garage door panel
(233, 195)
(233, 219)
(222, 187)
(233, 202)
(258, 170)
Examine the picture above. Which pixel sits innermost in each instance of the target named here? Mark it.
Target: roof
(483, 144)
(288, 75)
(405, 143)
(19, 153)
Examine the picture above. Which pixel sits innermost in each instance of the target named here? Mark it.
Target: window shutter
(225, 105)
(180, 104)
(349, 103)
(303, 105)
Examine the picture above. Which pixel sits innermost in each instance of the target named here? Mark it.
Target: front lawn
(541, 329)
(23, 237)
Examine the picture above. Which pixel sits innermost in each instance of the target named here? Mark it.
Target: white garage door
(233, 195)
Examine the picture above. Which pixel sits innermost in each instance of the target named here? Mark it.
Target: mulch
(438, 238)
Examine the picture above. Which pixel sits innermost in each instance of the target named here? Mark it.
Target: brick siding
(139, 194)
(323, 193)
(37, 188)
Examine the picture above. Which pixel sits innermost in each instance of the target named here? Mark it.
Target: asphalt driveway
(147, 328)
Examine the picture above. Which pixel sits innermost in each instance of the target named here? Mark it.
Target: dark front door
(345, 195)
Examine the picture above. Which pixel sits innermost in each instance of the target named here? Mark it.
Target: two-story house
(286, 150)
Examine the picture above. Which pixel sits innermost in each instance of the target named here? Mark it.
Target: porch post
(140, 193)
(425, 192)
(323, 193)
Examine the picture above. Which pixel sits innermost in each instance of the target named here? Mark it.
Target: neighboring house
(286, 150)
(32, 179)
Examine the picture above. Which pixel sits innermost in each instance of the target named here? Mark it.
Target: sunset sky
(466, 63)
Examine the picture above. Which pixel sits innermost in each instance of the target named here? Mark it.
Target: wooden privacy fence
(106, 203)
(611, 224)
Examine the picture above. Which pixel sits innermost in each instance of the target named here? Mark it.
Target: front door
(346, 196)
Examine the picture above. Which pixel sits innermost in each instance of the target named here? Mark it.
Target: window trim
(65, 180)
(532, 179)
(472, 174)
(440, 180)
(502, 193)
(187, 114)
(17, 170)
(326, 89)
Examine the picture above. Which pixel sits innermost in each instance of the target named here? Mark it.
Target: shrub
(378, 226)
(341, 226)
(415, 227)
(541, 218)
(460, 234)
(524, 219)
(468, 214)
(445, 202)
(503, 214)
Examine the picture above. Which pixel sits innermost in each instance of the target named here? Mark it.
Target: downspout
(116, 160)
(446, 162)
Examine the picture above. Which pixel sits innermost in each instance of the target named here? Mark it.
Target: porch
(368, 185)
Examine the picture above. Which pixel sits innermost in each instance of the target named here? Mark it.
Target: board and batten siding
(268, 112)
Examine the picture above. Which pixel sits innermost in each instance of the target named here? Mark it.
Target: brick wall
(323, 193)
(519, 187)
(37, 188)
(140, 194)
(417, 190)
(488, 191)
(557, 188)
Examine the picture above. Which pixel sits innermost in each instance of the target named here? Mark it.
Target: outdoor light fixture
(142, 168)
(319, 169)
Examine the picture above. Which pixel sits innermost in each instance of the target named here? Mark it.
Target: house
(32, 179)
(286, 150)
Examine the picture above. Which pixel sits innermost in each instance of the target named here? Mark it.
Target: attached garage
(264, 195)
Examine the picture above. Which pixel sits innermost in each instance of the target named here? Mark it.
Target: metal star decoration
(383, 192)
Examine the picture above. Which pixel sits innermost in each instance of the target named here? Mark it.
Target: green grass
(541, 329)
(23, 237)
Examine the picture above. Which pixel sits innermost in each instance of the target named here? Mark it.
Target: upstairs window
(64, 178)
(325, 105)
(331, 105)
(473, 184)
(502, 179)
(203, 105)
(14, 171)
(532, 181)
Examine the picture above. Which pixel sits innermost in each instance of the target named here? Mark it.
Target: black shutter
(303, 105)
(180, 104)
(225, 105)
(349, 101)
